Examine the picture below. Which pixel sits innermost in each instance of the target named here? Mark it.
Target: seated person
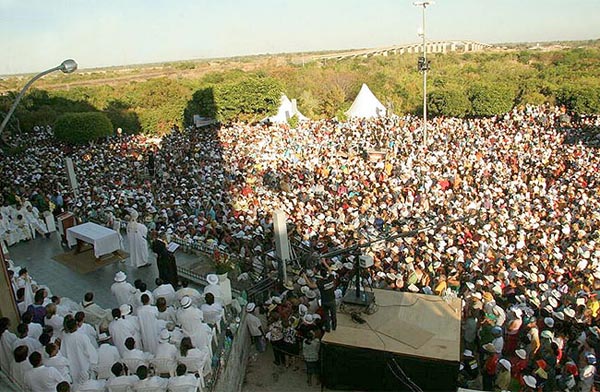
(211, 310)
(183, 379)
(146, 382)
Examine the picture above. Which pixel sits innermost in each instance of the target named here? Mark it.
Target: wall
(232, 376)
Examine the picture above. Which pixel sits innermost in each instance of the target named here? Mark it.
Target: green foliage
(250, 99)
(293, 122)
(490, 100)
(492, 82)
(122, 116)
(451, 102)
(580, 99)
(79, 128)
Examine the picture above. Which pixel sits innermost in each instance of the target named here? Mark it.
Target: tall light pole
(66, 66)
(424, 66)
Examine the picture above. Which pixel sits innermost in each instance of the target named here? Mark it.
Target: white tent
(287, 109)
(366, 105)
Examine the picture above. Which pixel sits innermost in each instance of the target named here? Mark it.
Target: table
(103, 239)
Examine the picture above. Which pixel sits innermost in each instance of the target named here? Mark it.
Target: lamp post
(424, 67)
(66, 66)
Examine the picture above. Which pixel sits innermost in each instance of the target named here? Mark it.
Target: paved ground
(36, 255)
(263, 376)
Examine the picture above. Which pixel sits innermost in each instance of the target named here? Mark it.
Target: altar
(103, 239)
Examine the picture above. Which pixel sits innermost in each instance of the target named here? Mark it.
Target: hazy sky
(38, 34)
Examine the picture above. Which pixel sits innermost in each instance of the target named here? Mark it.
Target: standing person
(138, 246)
(255, 327)
(165, 261)
(148, 316)
(79, 351)
(310, 353)
(326, 286)
(7, 340)
(41, 378)
(275, 335)
(122, 290)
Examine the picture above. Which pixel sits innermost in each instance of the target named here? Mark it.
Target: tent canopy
(287, 109)
(366, 105)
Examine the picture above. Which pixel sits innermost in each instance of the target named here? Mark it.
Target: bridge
(431, 47)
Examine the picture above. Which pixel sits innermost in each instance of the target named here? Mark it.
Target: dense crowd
(521, 190)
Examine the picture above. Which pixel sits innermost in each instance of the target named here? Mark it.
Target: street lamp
(424, 66)
(66, 66)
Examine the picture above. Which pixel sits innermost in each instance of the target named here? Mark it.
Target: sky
(38, 34)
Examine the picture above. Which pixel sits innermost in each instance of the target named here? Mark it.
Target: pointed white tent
(366, 105)
(287, 109)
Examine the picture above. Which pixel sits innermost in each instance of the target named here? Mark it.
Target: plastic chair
(164, 366)
(185, 388)
(102, 372)
(119, 388)
(133, 364)
(197, 366)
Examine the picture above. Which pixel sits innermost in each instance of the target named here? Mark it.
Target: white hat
(569, 312)
(552, 302)
(468, 353)
(212, 279)
(304, 289)
(530, 381)
(559, 315)
(185, 302)
(470, 286)
(413, 288)
(120, 276)
(165, 335)
(549, 321)
(301, 281)
(505, 363)
(125, 309)
(311, 294)
(302, 309)
(308, 318)
(250, 307)
(521, 353)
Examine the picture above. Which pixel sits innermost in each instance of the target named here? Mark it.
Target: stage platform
(416, 332)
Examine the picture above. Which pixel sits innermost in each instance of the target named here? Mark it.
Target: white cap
(521, 353)
(530, 381)
(125, 309)
(165, 335)
(505, 363)
(308, 318)
(549, 321)
(250, 307)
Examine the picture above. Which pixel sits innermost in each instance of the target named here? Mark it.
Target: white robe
(138, 246)
(148, 317)
(77, 348)
(43, 379)
(18, 371)
(61, 364)
(123, 292)
(191, 321)
(122, 329)
(6, 351)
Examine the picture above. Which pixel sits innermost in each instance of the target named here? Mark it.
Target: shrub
(580, 99)
(451, 102)
(490, 100)
(79, 128)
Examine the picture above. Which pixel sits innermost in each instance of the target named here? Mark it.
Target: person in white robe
(22, 230)
(135, 353)
(53, 320)
(138, 245)
(191, 320)
(121, 328)
(148, 317)
(165, 348)
(7, 339)
(154, 382)
(115, 224)
(7, 233)
(121, 379)
(108, 355)
(41, 378)
(94, 314)
(23, 339)
(79, 351)
(86, 329)
(183, 379)
(56, 360)
(20, 365)
(164, 290)
(32, 216)
(122, 290)
(214, 288)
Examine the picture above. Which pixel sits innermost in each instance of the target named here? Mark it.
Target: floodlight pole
(424, 4)
(66, 66)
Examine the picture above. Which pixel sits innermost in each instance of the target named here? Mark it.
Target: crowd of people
(506, 211)
(160, 338)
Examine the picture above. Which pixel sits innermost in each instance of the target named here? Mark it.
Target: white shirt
(185, 380)
(212, 313)
(123, 292)
(254, 324)
(166, 291)
(148, 318)
(61, 364)
(166, 350)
